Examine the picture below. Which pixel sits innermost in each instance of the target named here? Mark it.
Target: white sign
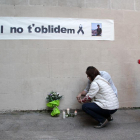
(56, 28)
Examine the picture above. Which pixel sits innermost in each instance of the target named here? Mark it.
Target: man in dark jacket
(99, 30)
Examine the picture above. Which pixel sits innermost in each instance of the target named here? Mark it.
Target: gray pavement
(41, 126)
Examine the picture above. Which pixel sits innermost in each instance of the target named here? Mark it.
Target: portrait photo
(96, 29)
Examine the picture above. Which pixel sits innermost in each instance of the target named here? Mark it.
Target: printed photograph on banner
(96, 29)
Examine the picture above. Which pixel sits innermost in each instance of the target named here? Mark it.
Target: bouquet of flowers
(53, 102)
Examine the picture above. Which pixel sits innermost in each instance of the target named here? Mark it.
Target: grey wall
(30, 69)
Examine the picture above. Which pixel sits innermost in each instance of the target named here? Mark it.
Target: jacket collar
(97, 77)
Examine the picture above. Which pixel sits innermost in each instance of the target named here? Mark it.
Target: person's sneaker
(110, 118)
(100, 125)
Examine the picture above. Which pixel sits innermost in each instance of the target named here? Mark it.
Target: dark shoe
(100, 125)
(110, 118)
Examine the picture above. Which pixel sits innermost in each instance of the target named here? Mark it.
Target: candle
(68, 111)
(75, 112)
(64, 114)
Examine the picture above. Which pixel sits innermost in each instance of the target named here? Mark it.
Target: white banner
(56, 28)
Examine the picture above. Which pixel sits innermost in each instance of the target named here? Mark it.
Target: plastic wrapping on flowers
(53, 102)
(54, 105)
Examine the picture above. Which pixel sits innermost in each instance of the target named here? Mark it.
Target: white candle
(75, 112)
(68, 111)
(64, 114)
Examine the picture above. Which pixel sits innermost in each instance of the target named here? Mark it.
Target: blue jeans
(96, 112)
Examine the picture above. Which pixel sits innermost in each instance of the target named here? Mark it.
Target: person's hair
(92, 72)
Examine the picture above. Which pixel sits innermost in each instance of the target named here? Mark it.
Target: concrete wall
(30, 69)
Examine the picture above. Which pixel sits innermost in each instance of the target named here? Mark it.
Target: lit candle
(68, 111)
(64, 114)
(75, 112)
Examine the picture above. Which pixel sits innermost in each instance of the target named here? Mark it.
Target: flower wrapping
(53, 102)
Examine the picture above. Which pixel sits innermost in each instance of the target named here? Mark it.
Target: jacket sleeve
(87, 87)
(94, 88)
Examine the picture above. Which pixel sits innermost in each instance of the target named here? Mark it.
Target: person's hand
(80, 101)
(79, 97)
